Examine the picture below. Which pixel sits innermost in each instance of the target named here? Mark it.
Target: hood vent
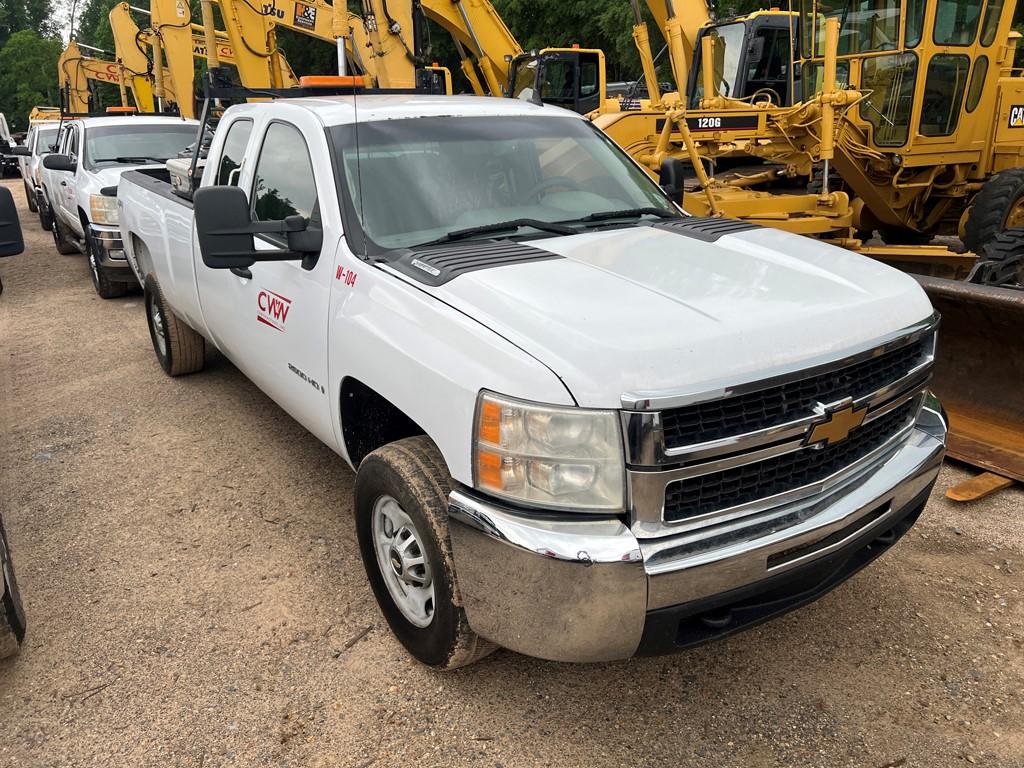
(706, 228)
(437, 265)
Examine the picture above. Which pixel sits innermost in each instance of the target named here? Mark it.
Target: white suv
(91, 155)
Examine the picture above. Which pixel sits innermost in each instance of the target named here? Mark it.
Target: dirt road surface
(195, 598)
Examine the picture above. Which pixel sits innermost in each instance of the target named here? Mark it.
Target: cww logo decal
(272, 309)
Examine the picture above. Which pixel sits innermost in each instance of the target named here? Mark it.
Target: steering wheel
(554, 181)
(771, 93)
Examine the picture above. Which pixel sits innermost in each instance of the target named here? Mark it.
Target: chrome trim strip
(661, 400)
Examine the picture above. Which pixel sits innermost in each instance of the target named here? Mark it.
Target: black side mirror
(225, 228)
(21, 151)
(11, 242)
(672, 178)
(59, 163)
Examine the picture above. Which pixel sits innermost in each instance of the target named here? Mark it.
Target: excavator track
(979, 372)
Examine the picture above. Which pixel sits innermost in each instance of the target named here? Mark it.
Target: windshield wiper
(626, 213)
(502, 226)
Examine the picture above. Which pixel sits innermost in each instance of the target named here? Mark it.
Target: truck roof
(88, 122)
(339, 110)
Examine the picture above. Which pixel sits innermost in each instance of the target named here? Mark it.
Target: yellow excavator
(77, 69)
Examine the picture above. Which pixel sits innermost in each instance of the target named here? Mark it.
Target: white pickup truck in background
(585, 426)
(39, 142)
(90, 156)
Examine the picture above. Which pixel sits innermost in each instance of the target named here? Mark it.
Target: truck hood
(109, 177)
(647, 311)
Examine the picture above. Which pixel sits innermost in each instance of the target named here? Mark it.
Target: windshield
(728, 51)
(145, 144)
(418, 180)
(864, 25)
(44, 140)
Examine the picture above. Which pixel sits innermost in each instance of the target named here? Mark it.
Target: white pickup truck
(12, 613)
(90, 156)
(585, 426)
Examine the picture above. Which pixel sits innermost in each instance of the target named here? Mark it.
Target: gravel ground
(195, 598)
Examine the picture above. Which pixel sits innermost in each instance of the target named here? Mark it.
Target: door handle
(242, 272)
(63, 183)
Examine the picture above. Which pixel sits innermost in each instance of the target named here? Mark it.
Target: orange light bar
(121, 110)
(332, 81)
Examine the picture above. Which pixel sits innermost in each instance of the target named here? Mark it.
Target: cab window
(234, 152)
(71, 144)
(889, 81)
(864, 25)
(977, 83)
(988, 28)
(956, 21)
(943, 92)
(284, 184)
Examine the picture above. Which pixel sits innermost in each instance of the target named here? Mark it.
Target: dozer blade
(979, 372)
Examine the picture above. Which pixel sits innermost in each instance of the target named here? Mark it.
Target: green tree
(16, 15)
(29, 65)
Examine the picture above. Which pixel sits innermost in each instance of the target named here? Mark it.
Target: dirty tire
(12, 615)
(413, 472)
(1001, 260)
(105, 287)
(61, 240)
(182, 350)
(30, 198)
(45, 217)
(992, 206)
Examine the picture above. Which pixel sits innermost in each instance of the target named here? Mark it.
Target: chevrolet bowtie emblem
(837, 426)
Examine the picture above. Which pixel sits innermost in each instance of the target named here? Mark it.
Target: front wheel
(105, 287)
(45, 217)
(12, 614)
(61, 238)
(402, 524)
(30, 198)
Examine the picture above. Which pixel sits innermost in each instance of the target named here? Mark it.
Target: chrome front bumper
(575, 588)
(108, 246)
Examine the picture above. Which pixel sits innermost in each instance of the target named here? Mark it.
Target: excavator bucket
(979, 372)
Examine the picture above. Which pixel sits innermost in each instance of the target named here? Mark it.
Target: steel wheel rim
(1015, 218)
(402, 561)
(157, 322)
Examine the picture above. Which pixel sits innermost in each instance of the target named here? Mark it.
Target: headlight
(548, 456)
(103, 209)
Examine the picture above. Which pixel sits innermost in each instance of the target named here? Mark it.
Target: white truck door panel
(273, 324)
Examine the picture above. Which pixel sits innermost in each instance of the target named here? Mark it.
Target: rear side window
(284, 184)
(234, 152)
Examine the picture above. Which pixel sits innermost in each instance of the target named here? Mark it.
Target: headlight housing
(103, 210)
(548, 456)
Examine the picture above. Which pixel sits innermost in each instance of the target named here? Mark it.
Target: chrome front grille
(702, 460)
(731, 416)
(701, 494)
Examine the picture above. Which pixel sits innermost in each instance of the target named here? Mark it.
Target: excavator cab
(753, 58)
(572, 78)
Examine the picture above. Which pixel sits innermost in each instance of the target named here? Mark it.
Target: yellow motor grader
(911, 125)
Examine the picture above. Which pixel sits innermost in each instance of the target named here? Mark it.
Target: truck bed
(158, 181)
(157, 228)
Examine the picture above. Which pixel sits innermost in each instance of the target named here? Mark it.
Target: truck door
(272, 322)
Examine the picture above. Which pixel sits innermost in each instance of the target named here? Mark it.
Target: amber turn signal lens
(489, 469)
(490, 423)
